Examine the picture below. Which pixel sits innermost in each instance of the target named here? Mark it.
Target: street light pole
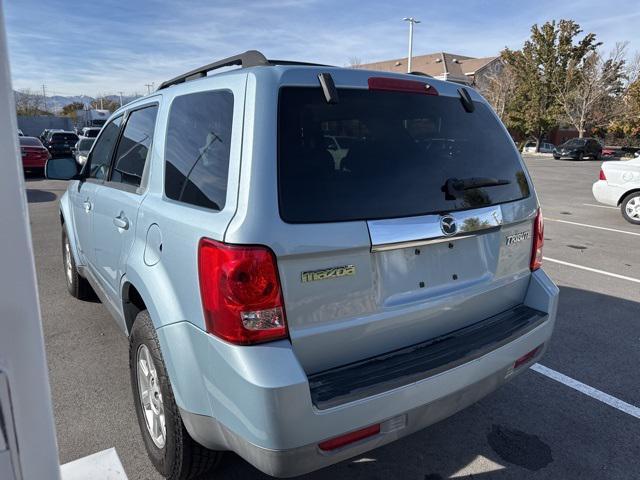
(411, 21)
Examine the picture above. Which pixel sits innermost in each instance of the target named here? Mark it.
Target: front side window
(134, 146)
(197, 148)
(103, 149)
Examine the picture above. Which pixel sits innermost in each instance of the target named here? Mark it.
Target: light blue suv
(289, 307)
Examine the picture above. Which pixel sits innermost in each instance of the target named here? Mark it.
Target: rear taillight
(348, 438)
(399, 85)
(602, 175)
(538, 241)
(241, 294)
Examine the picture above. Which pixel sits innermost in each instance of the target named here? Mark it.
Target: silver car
(295, 309)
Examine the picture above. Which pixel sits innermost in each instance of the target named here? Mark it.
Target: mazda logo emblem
(448, 225)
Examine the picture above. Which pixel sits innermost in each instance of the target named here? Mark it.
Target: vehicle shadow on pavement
(40, 196)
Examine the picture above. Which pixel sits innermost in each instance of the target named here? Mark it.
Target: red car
(34, 155)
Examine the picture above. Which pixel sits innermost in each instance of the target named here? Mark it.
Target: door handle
(121, 221)
(87, 205)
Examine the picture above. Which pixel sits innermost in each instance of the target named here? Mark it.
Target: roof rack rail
(250, 58)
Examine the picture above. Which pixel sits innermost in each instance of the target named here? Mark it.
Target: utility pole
(149, 86)
(120, 98)
(101, 103)
(411, 21)
(44, 96)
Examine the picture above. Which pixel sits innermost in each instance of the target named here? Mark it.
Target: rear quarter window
(197, 148)
(398, 150)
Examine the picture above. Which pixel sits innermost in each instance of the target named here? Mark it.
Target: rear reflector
(602, 175)
(398, 85)
(527, 357)
(538, 241)
(348, 438)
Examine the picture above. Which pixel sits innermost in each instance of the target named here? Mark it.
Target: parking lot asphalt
(532, 428)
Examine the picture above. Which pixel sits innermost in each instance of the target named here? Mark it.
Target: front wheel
(170, 447)
(630, 208)
(580, 156)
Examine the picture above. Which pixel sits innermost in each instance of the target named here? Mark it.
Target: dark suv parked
(60, 143)
(578, 148)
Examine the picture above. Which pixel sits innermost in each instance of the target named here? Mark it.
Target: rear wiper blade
(455, 187)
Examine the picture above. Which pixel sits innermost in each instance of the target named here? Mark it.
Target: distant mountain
(55, 103)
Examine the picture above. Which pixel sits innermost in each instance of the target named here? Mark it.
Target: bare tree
(497, 85)
(354, 62)
(591, 92)
(28, 103)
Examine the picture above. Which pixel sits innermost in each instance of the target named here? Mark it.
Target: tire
(177, 456)
(597, 156)
(580, 157)
(77, 285)
(630, 203)
(556, 158)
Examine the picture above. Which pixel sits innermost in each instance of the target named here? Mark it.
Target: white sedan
(619, 185)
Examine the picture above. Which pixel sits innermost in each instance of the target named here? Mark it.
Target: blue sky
(91, 47)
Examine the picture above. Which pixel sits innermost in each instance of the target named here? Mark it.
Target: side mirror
(61, 169)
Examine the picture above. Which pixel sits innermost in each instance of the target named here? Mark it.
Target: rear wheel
(77, 285)
(630, 208)
(580, 156)
(170, 448)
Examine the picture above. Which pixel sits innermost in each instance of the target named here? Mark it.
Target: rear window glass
(64, 137)
(197, 148)
(85, 144)
(392, 156)
(30, 142)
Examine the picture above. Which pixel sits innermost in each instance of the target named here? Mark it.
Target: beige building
(443, 66)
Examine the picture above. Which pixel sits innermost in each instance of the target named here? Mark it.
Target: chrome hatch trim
(396, 233)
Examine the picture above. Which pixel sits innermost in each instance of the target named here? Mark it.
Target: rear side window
(197, 148)
(396, 153)
(134, 146)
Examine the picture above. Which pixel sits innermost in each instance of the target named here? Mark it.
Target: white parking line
(594, 270)
(587, 390)
(599, 206)
(592, 226)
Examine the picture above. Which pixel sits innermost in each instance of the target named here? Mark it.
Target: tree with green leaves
(539, 68)
(71, 110)
(104, 103)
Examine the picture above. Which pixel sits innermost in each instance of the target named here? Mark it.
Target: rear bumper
(607, 194)
(259, 402)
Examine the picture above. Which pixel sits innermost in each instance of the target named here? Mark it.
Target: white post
(411, 21)
(410, 47)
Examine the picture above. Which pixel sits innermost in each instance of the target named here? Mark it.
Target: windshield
(85, 144)
(30, 142)
(574, 143)
(64, 138)
(396, 152)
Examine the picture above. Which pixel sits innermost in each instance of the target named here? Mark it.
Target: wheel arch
(66, 222)
(626, 194)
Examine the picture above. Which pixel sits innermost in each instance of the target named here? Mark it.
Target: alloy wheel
(150, 397)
